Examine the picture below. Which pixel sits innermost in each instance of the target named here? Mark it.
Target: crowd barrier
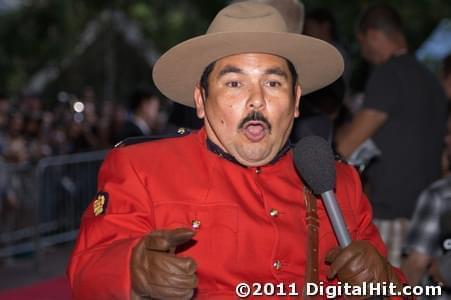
(41, 205)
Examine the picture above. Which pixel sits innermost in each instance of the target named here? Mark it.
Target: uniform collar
(221, 153)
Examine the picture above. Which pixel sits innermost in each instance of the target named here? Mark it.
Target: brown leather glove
(155, 270)
(359, 262)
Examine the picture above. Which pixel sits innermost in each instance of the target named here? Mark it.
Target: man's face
(150, 109)
(370, 42)
(250, 107)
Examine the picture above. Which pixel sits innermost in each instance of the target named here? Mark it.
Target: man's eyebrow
(277, 71)
(229, 69)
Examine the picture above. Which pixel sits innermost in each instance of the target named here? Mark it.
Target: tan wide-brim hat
(246, 27)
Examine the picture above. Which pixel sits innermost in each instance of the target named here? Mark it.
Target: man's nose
(257, 100)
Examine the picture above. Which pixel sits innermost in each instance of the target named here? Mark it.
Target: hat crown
(248, 17)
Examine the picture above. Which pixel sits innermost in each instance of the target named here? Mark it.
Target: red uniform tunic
(171, 183)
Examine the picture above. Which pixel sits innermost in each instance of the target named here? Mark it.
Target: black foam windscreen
(315, 161)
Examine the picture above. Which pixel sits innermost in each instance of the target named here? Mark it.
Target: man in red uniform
(194, 216)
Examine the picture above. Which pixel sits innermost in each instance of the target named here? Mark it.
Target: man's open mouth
(255, 131)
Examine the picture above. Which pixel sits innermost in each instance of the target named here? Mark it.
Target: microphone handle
(336, 218)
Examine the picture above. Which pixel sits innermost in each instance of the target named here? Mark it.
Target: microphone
(315, 163)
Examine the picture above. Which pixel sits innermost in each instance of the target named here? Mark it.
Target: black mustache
(254, 116)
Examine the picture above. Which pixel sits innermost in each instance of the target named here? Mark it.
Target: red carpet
(53, 289)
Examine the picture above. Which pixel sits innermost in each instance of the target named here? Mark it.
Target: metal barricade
(56, 192)
(65, 186)
(16, 208)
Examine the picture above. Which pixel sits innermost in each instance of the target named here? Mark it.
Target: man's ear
(297, 99)
(199, 101)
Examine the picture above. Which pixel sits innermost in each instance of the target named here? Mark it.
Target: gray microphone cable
(315, 163)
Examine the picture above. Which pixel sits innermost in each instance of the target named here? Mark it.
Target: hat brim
(177, 72)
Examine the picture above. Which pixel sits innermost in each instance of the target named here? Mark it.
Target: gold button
(181, 130)
(258, 170)
(273, 212)
(195, 224)
(277, 265)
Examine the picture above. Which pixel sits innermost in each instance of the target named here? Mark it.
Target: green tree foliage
(44, 30)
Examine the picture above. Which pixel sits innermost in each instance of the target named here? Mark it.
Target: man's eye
(233, 84)
(273, 83)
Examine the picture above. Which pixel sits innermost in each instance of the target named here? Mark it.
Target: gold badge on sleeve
(100, 203)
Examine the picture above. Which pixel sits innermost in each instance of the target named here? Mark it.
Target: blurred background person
(428, 243)
(15, 146)
(321, 23)
(404, 112)
(144, 105)
(322, 111)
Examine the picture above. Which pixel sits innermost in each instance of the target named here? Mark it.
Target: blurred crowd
(30, 131)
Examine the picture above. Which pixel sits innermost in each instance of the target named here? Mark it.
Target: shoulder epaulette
(142, 139)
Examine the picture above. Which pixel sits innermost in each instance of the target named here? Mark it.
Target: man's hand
(360, 262)
(363, 126)
(156, 272)
(435, 274)
(415, 266)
